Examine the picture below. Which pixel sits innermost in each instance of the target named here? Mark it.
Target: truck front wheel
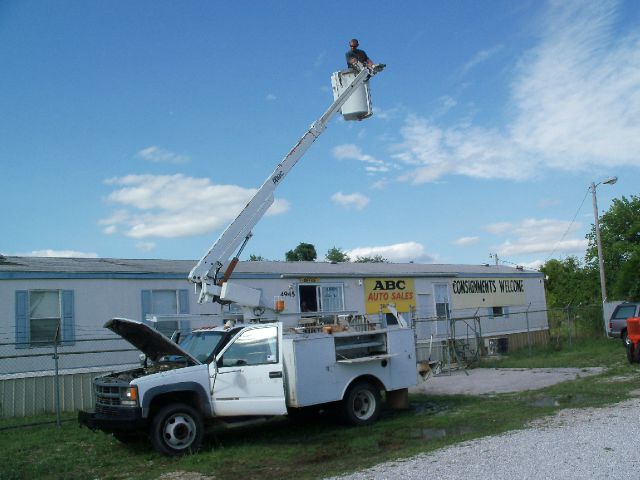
(176, 429)
(361, 404)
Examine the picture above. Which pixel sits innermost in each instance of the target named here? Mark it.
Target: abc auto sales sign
(379, 292)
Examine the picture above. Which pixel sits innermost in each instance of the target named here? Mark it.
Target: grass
(281, 449)
(588, 352)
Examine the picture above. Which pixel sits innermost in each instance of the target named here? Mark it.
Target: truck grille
(107, 395)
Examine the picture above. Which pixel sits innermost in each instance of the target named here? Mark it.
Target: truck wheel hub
(179, 431)
(363, 405)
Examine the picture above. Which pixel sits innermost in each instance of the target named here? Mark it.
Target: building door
(442, 306)
(325, 297)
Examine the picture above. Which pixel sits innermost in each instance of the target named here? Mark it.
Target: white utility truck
(252, 368)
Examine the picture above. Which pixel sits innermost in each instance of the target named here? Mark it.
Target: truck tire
(629, 347)
(361, 404)
(636, 353)
(176, 429)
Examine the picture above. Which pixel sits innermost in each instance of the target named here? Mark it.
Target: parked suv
(618, 320)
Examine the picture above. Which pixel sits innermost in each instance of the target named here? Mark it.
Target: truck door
(250, 378)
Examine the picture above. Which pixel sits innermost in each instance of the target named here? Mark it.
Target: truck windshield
(201, 344)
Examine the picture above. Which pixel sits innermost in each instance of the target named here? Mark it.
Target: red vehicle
(633, 339)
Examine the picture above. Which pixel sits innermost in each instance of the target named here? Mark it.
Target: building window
(495, 312)
(321, 297)
(441, 297)
(42, 313)
(165, 303)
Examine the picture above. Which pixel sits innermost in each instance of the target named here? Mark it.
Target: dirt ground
(484, 381)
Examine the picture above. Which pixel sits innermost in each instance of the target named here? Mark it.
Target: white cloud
(399, 252)
(575, 103)
(499, 228)
(548, 203)
(350, 151)
(58, 253)
(533, 236)
(447, 103)
(356, 200)
(380, 184)
(160, 155)
(461, 150)
(466, 241)
(271, 97)
(319, 60)
(534, 265)
(145, 246)
(175, 205)
(481, 57)
(578, 91)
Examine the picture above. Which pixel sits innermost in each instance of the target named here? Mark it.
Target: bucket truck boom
(210, 284)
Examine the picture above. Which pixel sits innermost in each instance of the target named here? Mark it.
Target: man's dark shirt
(359, 55)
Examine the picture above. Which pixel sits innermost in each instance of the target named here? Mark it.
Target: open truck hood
(149, 341)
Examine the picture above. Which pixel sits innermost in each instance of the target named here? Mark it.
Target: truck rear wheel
(176, 429)
(361, 404)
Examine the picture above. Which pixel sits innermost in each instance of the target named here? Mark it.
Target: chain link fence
(460, 341)
(57, 377)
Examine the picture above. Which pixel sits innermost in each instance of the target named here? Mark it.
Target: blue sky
(140, 129)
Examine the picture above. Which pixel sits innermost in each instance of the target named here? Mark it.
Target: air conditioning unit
(496, 345)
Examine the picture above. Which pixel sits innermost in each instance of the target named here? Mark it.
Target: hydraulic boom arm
(206, 274)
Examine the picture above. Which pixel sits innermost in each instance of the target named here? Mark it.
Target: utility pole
(596, 221)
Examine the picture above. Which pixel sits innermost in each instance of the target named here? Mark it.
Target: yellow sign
(379, 292)
(487, 292)
(309, 280)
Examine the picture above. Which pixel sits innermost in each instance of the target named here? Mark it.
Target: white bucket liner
(358, 107)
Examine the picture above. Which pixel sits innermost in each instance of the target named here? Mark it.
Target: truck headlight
(129, 397)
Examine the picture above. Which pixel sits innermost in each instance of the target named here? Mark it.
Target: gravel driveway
(573, 444)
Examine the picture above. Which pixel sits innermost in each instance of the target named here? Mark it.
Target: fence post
(526, 313)
(56, 376)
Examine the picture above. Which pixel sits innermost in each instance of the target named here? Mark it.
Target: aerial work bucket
(358, 107)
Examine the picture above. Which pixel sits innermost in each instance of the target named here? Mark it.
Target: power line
(569, 227)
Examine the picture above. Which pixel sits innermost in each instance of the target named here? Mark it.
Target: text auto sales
(487, 286)
(382, 291)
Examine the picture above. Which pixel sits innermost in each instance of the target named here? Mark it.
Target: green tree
(304, 252)
(568, 282)
(257, 258)
(620, 237)
(335, 254)
(372, 259)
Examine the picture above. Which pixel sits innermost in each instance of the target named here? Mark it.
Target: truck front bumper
(120, 420)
